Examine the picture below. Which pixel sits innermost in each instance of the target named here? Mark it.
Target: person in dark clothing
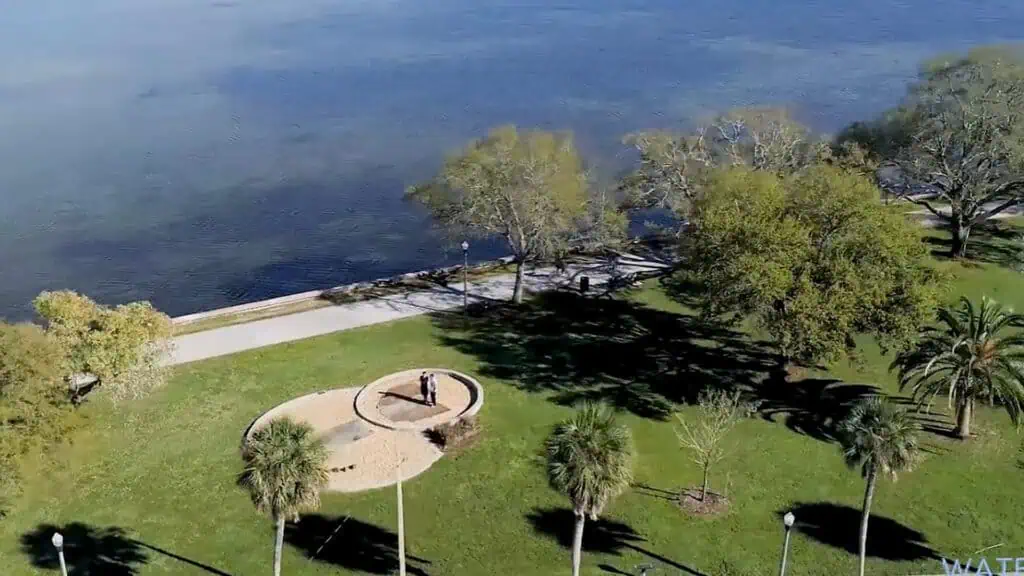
(423, 387)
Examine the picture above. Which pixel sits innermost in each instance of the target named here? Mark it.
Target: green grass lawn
(149, 487)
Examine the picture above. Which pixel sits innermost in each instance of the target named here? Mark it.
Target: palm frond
(590, 458)
(285, 467)
(973, 353)
(877, 436)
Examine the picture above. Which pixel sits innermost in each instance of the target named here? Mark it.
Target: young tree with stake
(718, 412)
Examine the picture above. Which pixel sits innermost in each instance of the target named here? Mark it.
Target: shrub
(455, 434)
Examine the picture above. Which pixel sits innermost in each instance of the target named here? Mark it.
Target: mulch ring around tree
(712, 505)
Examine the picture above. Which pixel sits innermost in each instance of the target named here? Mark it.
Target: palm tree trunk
(517, 291)
(963, 419)
(868, 495)
(577, 543)
(278, 544)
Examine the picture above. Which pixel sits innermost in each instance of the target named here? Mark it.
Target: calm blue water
(200, 153)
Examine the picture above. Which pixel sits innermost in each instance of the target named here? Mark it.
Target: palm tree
(590, 460)
(285, 468)
(879, 439)
(970, 355)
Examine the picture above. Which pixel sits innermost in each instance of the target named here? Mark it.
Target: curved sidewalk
(302, 325)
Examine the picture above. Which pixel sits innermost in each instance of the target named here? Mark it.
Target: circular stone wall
(367, 430)
(395, 401)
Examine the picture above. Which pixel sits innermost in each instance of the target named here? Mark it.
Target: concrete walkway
(929, 220)
(260, 333)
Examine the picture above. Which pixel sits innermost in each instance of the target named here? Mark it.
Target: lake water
(202, 153)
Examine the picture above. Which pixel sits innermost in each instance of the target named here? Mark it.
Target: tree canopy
(674, 168)
(122, 346)
(813, 256)
(528, 188)
(35, 407)
(960, 137)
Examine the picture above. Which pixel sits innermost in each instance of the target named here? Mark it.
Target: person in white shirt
(432, 388)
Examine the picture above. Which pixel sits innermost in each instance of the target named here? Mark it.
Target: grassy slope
(163, 470)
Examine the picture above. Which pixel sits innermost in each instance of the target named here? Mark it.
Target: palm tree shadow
(991, 242)
(837, 526)
(350, 544)
(88, 550)
(602, 536)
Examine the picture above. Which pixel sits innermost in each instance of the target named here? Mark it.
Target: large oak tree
(958, 139)
(529, 188)
(814, 257)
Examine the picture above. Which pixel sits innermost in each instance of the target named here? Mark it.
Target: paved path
(260, 333)
(929, 220)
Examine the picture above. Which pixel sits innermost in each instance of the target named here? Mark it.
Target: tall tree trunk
(704, 485)
(517, 292)
(961, 232)
(278, 544)
(577, 543)
(868, 495)
(963, 419)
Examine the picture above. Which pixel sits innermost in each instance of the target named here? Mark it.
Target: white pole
(63, 566)
(401, 515)
(58, 542)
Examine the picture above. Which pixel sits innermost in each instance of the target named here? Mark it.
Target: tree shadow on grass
(991, 242)
(204, 567)
(813, 406)
(88, 550)
(837, 526)
(631, 356)
(601, 536)
(350, 544)
(931, 422)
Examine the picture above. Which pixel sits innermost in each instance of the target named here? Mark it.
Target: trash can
(584, 284)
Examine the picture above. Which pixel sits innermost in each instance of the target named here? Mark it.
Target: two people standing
(428, 388)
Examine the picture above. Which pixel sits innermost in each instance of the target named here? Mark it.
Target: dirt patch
(404, 403)
(712, 505)
(414, 412)
(409, 392)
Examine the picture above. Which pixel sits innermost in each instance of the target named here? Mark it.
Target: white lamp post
(58, 543)
(787, 521)
(401, 512)
(465, 279)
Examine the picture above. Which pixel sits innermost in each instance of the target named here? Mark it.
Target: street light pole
(787, 521)
(401, 510)
(465, 277)
(58, 543)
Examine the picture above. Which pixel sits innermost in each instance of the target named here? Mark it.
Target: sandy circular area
(369, 430)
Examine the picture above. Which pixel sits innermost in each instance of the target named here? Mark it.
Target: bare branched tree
(718, 412)
(968, 144)
(674, 167)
